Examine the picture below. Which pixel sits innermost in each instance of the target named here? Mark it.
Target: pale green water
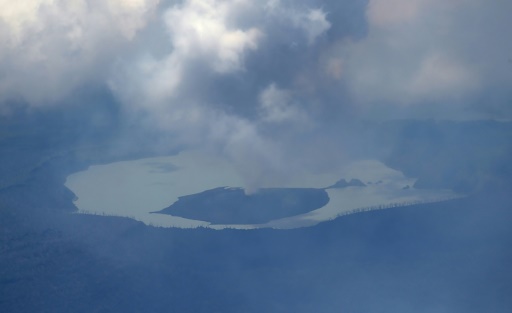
(135, 188)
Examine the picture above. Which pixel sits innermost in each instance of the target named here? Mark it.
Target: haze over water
(136, 188)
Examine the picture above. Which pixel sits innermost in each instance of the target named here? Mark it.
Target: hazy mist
(275, 93)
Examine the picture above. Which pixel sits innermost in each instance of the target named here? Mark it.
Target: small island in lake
(225, 205)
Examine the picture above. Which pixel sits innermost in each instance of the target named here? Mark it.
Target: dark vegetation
(233, 206)
(452, 256)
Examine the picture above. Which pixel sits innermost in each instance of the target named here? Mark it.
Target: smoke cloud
(266, 84)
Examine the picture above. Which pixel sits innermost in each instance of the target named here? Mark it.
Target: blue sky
(261, 81)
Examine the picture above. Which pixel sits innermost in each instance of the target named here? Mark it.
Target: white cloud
(199, 28)
(441, 74)
(400, 13)
(175, 64)
(20, 17)
(312, 23)
(276, 106)
(50, 47)
(200, 36)
(426, 52)
(386, 13)
(130, 15)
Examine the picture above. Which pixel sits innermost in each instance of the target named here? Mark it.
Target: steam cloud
(263, 83)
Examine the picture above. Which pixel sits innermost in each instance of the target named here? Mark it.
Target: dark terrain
(233, 206)
(453, 256)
